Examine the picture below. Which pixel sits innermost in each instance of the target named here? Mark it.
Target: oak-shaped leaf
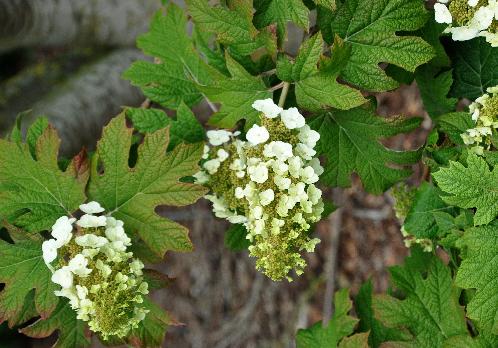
(339, 327)
(34, 192)
(350, 141)
(370, 28)
(236, 95)
(132, 194)
(479, 270)
(430, 311)
(184, 128)
(315, 76)
(179, 67)
(23, 270)
(470, 186)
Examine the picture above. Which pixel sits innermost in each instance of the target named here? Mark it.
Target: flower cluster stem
(283, 95)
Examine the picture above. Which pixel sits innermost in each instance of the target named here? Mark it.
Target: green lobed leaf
(421, 219)
(377, 333)
(339, 326)
(280, 12)
(23, 269)
(185, 128)
(132, 194)
(482, 341)
(350, 142)
(34, 192)
(430, 311)
(236, 95)
(315, 88)
(233, 25)
(370, 28)
(235, 238)
(328, 4)
(434, 87)
(72, 332)
(474, 63)
(471, 186)
(479, 270)
(175, 76)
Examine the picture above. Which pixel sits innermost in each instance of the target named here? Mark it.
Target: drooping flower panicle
(468, 19)
(267, 182)
(484, 112)
(103, 282)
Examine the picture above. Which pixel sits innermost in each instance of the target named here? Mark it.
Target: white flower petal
(91, 208)
(257, 135)
(267, 107)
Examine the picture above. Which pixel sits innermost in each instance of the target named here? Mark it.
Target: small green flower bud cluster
(484, 113)
(468, 19)
(267, 183)
(102, 281)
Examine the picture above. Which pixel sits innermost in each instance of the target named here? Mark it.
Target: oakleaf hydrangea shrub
(267, 183)
(290, 120)
(101, 279)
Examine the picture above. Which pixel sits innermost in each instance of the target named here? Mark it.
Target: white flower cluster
(484, 113)
(99, 277)
(468, 19)
(267, 183)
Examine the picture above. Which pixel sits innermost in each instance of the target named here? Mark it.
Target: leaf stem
(269, 72)
(276, 87)
(283, 95)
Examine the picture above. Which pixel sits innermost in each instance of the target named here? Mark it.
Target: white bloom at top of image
(463, 33)
(218, 137)
(49, 248)
(442, 14)
(81, 292)
(91, 240)
(62, 230)
(278, 149)
(257, 135)
(91, 208)
(472, 3)
(267, 107)
(482, 18)
(308, 136)
(222, 155)
(88, 221)
(292, 118)
(63, 277)
(258, 173)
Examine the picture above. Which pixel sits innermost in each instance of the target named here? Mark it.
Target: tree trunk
(80, 107)
(25, 23)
